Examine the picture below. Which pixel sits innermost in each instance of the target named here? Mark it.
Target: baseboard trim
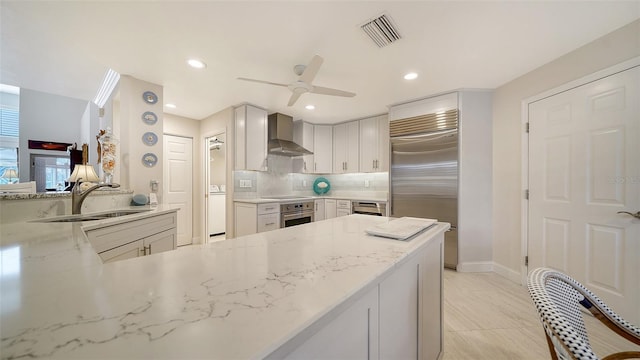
(482, 266)
(507, 273)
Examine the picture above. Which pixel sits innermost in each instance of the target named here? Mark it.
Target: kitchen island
(315, 290)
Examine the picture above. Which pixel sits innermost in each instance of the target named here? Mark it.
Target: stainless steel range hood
(281, 137)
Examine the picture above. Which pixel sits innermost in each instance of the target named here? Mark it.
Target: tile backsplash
(280, 180)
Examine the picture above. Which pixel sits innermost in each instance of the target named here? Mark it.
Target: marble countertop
(60, 194)
(239, 298)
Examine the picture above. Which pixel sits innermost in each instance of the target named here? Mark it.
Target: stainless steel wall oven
(296, 213)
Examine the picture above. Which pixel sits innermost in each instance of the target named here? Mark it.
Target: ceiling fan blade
(330, 91)
(294, 97)
(311, 70)
(263, 82)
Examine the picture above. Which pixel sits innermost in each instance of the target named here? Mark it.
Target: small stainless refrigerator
(423, 180)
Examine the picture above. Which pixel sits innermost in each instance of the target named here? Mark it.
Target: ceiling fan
(303, 85)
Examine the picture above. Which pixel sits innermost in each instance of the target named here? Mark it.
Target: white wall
(217, 123)
(614, 48)
(47, 117)
(129, 128)
(181, 126)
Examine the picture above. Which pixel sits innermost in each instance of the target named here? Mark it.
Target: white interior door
(178, 180)
(584, 167)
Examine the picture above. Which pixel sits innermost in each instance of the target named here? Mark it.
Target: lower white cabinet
(329, 208)
(343, 207)
(398, 318)
(319, 212)
(139, 237)
(254, 218)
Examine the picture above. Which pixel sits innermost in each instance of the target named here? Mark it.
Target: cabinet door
(127, 251)
(164, 241)
(353, 147)
(329, 208)
(322, 148)
(256, 139)
(251, 138)
(339, 148)
(246, 219)
(374, 144)
(268, 222)
(319, 210)
(353, 334)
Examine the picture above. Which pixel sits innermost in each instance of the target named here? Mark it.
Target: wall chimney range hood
(280, 132)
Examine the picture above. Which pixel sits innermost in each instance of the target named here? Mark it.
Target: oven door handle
(296, 215)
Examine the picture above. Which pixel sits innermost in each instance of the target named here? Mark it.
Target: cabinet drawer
(268, 222)
(269, 208)
(127, 251)
(343, 204)
(113, 236)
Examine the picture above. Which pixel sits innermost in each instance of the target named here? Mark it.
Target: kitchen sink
(89, 217)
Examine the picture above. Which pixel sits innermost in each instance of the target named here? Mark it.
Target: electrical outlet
(245, 183)
(304, 183)
(366, 183)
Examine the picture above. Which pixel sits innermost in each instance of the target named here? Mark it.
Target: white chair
(557, 298)
(21, 188)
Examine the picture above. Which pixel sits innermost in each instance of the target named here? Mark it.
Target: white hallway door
(178, 180)
(584, 167)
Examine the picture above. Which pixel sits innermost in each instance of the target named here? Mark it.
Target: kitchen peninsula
(324, 289)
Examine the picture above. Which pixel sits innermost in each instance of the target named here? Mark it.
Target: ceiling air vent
(381, 30)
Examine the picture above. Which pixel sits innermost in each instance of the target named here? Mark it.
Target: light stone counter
(240, 298)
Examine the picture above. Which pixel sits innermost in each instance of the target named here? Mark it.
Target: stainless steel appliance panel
(369, 208)
(424, 181)
(296, 213)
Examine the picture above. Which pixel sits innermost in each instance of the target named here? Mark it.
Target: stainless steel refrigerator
(423, 179)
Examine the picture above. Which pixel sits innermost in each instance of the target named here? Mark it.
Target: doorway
(216, 186)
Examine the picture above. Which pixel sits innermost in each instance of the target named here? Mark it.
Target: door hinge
(527, 128)
(526, 194)
(526, 260)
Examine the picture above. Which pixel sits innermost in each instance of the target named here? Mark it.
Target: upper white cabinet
(322, 149)
(251, 138)
(345, 147)
(374, 144)
(303, 136)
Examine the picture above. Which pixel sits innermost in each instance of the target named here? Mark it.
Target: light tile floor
(487, 316)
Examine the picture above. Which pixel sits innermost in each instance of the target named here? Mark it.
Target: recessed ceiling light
(309, 107)
(196, 64)
(172, 106)
(411, 76)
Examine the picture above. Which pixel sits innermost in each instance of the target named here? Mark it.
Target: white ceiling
(65, 48)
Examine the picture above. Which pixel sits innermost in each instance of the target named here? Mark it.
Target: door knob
(636, 215)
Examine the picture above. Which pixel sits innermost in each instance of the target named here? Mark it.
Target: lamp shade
(84, 172)
(10, 174)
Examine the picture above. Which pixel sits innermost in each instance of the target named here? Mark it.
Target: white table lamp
(10, 174)
(84, 172)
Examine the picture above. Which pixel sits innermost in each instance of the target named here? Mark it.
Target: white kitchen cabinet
(322, 149)
(268, 217)
(138, 237)
(303, 136)
(251, 138)
(254, 218)
(374, 144)
(398, 318)
(343, 207)
(319, 209)
(329, 208)
(345, 148)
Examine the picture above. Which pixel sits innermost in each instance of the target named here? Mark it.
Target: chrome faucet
(78, 196)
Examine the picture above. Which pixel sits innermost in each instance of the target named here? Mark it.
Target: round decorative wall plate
(149, 160)
(149, 138)
(149, 97)
(149, 117)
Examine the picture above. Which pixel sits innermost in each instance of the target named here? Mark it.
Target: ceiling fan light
(411, 76)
